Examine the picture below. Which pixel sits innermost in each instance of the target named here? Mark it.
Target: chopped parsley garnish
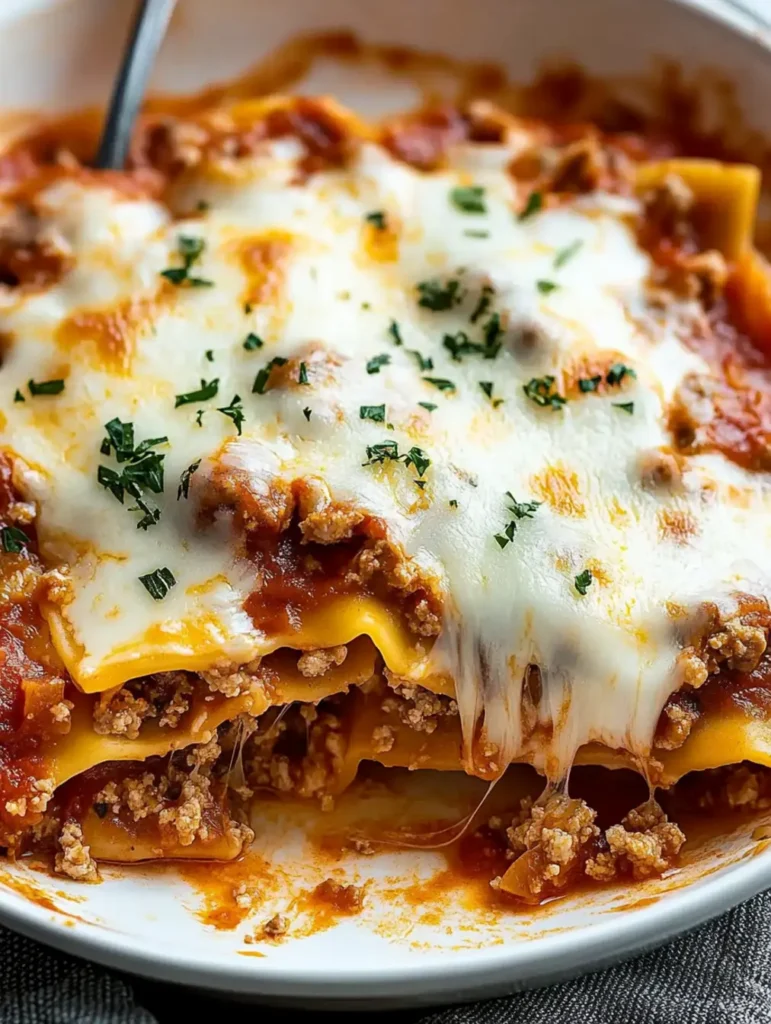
(190, 250)
(583, 581)
(472, 233)
(453, 503)
(210, 355)
(19, 397)
(184, 481)
(248, 308)
(459, 345)
(374, 364)
(487, 387)
(492, 333)
(158, 583)
(46, 387)
(377, 218)
(440, 382)
(396, 334)
(519, 510)
(199, 417)
(544, 287)
(567, 253)
(469, 199)
(100, 809)
(252, 342)
(617, 372)
(207, 390)
(428, 406)
(484, 303)
(302, 375)
(202, 206)
(376, 413)
(143, 469)
(439, 296)
(307, 414)
(262, 378)
(13, 539)
(587, 384)
(533, 205)
(424, 362)
(626, 406)
(234, 412)
(389, 451)
(541, 391)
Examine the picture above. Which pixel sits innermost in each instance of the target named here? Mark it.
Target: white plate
(414, 941)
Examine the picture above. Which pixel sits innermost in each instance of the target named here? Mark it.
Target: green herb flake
(252, 341)
(453, 503)
(199, 417)
(459, 345)
(519, 510)
(389, 451)
(158, 583)
(307, 414)
(207, 390)
(424, 362)
(487, 388)
(483, 304)
(302, 375)
(262, 378)
(210, 355)
(377, 218)
(190, 251)
(546, 287)
(583, 581)
(533, 205)
(234, 412)
(396, 334)
(627, 407)
(202, 206)
(428, 406)
(541, 391)
(618, 372)
(438, 296)
(587, 384)
(19, 397)
(142, 470)
(248, 307)
(376, 413)
(13, 539)
(184, 481)
(441, 383)
(469, 199)
(374, 364)
(566, 254)
(45, 387)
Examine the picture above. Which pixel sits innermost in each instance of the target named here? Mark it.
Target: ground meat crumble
(417, 707)
(74, 858)
(555, 841)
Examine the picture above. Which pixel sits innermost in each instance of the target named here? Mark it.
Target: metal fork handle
(147, 32)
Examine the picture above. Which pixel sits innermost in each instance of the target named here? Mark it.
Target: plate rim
(521, 964)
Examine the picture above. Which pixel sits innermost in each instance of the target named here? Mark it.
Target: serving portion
(441, 443)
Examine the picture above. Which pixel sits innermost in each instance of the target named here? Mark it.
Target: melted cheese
(297, 262)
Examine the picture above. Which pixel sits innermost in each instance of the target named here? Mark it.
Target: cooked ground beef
(74, 858)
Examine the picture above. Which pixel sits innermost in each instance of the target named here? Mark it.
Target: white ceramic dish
(411, 944)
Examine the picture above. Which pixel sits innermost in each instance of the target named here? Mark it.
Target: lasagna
(441, 442)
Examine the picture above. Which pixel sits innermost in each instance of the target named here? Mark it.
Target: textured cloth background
(720, 974)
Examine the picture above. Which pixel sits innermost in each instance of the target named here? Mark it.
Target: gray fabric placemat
(719, 974)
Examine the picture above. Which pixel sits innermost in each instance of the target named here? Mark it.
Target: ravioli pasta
(441, 443)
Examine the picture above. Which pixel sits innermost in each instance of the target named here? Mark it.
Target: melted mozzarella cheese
(298, 264)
